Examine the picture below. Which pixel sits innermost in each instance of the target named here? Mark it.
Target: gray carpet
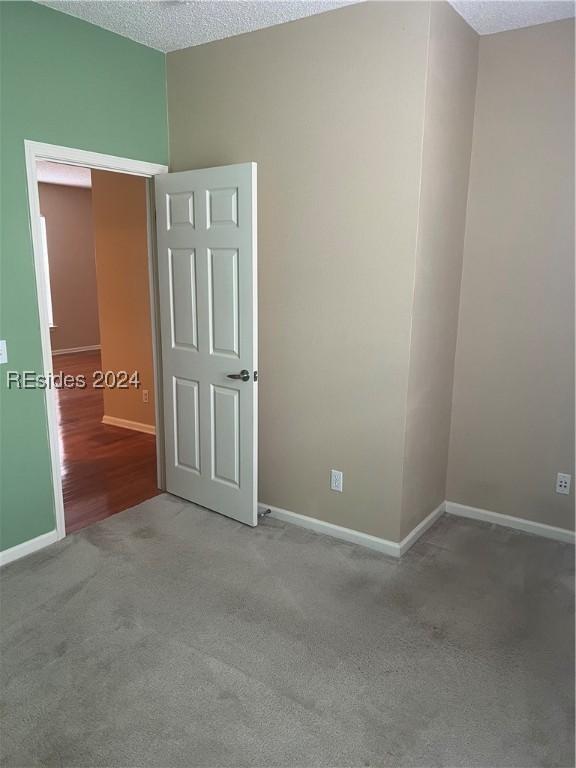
(171, 636)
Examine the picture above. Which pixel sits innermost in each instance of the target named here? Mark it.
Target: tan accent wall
(68, 214)
(331, 108)
(513, 411)
(449, 117)
(121, 247)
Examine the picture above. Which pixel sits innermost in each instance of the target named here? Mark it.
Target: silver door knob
(244, 375)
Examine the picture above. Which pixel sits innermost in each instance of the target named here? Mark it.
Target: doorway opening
(96, 288)
(202, 322)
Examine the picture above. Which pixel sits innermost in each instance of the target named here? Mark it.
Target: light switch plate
(3, 352)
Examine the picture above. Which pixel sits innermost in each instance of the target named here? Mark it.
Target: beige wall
(331, 108)
(121, 247)
(513, 411)
(362, 222)
(451, 86)
(68, 214)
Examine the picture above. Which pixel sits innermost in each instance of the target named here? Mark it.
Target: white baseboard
(137, 426)
(28, 547)
(421, 528)
(391, 548)
(75, 349)
(517, 523)
(336, 531)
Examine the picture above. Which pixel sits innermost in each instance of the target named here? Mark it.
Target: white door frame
(34, 151)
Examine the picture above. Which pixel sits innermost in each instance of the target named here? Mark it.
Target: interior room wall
(449, 118)
(335, 126)
(352, 169)
(513, 411)
(67, 82)
(70, 239)
(119, 209)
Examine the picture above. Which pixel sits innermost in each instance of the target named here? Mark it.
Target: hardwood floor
(104, 469)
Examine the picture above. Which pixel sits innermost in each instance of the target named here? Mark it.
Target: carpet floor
(170, 636)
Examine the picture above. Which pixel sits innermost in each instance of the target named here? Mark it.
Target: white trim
(395, 549)
(49, 394)
(46, 268)
(72, 350)
(73, 156)
(336, 531)
(28, 547)
(156, 338)
(391, 548)
(33, 151)
(137, 426)
(421, 528)
(517, 523)
(255, 462)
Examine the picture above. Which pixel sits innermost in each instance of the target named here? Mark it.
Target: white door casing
(206, 229)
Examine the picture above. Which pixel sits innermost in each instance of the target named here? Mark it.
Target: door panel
(224, 304)
(183, 298)
(226, 432)
(180, 209)
(223, 207)
(187, 424)
(206, 226)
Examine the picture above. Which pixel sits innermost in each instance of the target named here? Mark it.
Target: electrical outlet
(336, 480)
(145, 395)
(563, 483)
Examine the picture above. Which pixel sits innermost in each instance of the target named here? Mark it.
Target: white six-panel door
(206, 227)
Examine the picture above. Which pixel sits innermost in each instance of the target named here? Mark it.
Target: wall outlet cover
(336, 480)
(563, 482)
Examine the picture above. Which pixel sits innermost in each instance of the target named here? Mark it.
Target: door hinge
(255, 375)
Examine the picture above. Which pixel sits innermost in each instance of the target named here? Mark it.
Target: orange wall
(68, 214)
(121, 248)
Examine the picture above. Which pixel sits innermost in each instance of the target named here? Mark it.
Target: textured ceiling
(175, 24)
(490, 16)
(58, 173)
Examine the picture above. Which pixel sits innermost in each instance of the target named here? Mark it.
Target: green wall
(65, 82)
